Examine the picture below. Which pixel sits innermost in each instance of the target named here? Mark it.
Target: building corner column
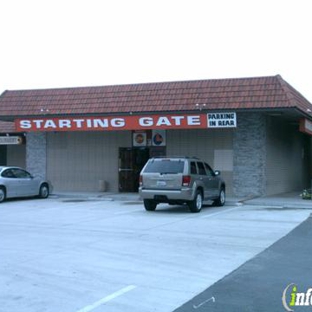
(249, 159)
(36, 153)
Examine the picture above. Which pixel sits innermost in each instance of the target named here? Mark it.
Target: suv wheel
(221, 199)
(196, 204)
(150, 204)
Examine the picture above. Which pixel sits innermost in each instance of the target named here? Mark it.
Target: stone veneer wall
(36, 153)
(249, 155)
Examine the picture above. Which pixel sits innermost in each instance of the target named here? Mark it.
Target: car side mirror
(217, 172)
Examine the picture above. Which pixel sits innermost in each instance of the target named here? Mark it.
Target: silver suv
(180, 180)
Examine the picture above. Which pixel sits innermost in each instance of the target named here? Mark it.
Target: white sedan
(17, 182)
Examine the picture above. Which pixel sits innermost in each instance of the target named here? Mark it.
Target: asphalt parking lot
(265, 282)
(76, 255)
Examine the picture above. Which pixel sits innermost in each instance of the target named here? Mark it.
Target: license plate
(161, 183)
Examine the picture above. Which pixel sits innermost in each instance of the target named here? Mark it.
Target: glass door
(131, 162)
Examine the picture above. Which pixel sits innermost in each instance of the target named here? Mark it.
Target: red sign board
(306, 126)
(131, 122)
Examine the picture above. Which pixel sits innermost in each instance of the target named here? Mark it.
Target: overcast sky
(70, 43)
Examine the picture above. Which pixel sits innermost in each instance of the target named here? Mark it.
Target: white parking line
(107, 298)
(118, 213)
(220, 212)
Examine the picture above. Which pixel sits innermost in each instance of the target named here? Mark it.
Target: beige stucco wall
(78, 160)
(16, 155)
(213, 146)
(287, 157)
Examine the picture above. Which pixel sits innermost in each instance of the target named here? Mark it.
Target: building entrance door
(131, 162)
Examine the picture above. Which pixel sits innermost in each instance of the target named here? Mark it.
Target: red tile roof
(219, 94)
(7, 127)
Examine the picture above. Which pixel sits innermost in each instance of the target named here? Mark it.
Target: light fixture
(44, 110)
(200, 106)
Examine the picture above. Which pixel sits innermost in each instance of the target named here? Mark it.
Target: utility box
(102, 186)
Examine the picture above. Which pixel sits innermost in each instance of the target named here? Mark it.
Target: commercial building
(12, 146)
(257, 131)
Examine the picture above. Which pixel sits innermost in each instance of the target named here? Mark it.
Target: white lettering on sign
(78, 122)
(50, 124)
(98, 123)
(118, 122)
(132, 122)
(177, 119)
(60, 124)
(193, 120)
(163, 121)
(169, 121)
(10, 140)
(38, 123)
(146, 121)
(64, 123)
(25, 124)
(221, 120)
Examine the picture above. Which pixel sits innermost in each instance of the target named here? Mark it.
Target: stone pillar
(249, 159)
(36, 153)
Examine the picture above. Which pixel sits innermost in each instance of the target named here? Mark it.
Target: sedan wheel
(44, 191)
(2, 194)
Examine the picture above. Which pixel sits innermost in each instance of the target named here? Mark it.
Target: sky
(75, 43)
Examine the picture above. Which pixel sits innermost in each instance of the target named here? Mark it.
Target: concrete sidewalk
(104, 196)
(115, 196)
(290, 200)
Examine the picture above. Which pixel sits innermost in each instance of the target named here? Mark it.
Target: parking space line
(220, 212)
(107, 298)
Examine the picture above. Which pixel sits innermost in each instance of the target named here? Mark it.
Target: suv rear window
(165, 166)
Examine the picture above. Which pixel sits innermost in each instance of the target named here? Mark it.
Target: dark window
(165, 166)
(193, 168)
(8, 174)
(21, 174)
(3, 155)
(209, 170)
(201, 168)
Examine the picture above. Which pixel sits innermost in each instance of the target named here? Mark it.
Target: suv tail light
(186, 180)
(141, 180)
